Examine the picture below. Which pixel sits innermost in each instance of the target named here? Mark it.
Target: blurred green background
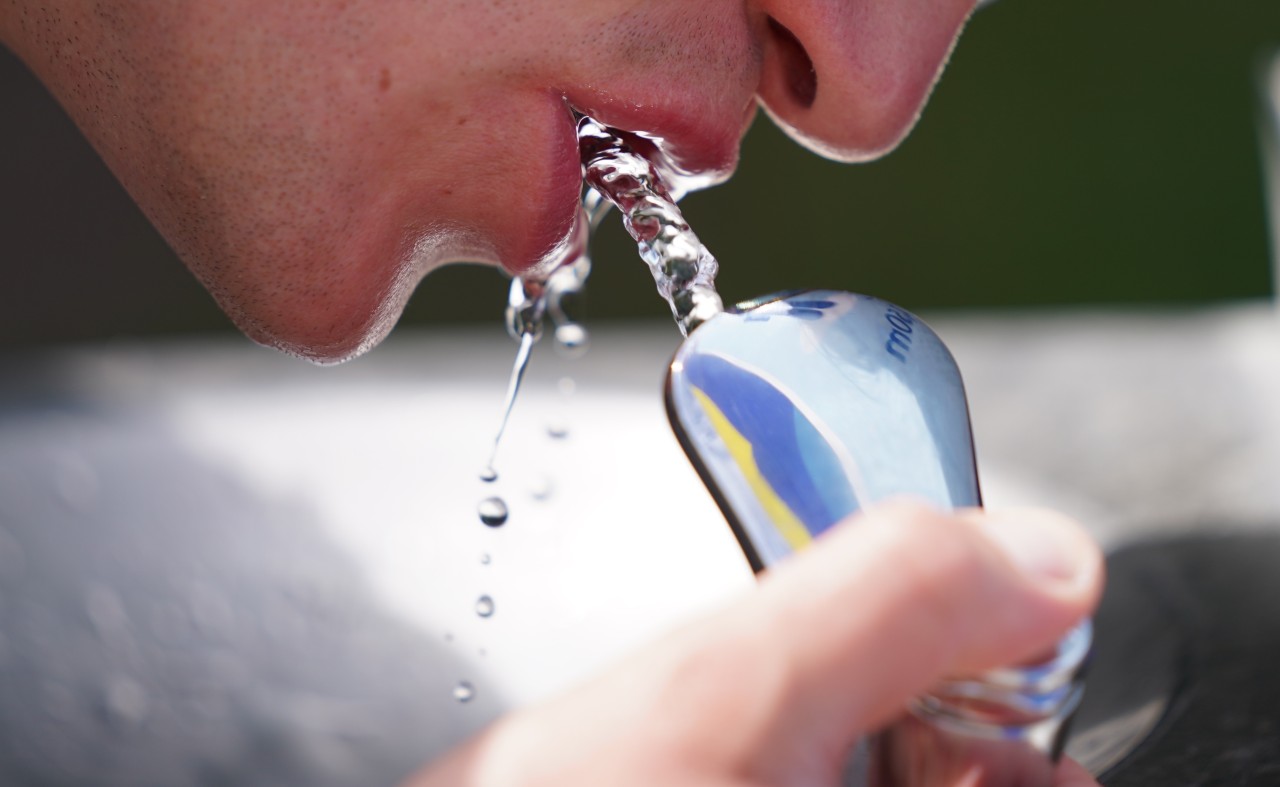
(1079, 152)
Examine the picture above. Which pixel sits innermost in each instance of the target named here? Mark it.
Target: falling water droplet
(567, 386)
(484, 607)
(489, 475)
(464, 691)
(557, 431)
(513, 388)
(493, 511)
(572, 339)
(541, 489)
(485, 559)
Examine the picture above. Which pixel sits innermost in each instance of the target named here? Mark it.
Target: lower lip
(694, 150)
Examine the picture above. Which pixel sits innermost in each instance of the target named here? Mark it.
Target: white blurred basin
(205, 546)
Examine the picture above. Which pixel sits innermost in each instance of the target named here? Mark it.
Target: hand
(776, 689)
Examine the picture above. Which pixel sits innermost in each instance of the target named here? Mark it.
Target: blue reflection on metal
(799, 409)
(788, 450)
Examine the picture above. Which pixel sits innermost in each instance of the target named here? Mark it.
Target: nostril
(799, 75)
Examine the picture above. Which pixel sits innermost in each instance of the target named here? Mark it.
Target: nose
(847, 78)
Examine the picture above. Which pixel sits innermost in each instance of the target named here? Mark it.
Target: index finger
(903, 596)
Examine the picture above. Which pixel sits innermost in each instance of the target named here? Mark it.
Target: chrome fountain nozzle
(801, 408)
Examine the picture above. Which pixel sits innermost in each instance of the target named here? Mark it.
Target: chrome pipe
(799, 409)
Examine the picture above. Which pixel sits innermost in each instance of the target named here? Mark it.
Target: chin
(333, 320)
(328, 342)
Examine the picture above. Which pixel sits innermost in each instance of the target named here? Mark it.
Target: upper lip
(697, 137)
(697, 140)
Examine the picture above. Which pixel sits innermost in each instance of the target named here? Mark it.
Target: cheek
(332, 252)
(311, 170)
(311, 166)
(511, 174)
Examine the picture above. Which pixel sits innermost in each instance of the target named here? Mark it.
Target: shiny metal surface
(800, 409)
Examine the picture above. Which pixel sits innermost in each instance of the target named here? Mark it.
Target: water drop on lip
(489, 475)
(463, 691)
(484, 607)
(493, 511)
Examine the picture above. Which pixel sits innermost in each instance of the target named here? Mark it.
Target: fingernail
(1042, 545)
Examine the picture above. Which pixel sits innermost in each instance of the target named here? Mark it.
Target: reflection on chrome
(799, 409)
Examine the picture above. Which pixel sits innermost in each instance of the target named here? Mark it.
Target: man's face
(311, 160)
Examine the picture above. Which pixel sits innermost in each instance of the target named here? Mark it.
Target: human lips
(505, 189)
(509, 194)
(696, 147)
(696, 140)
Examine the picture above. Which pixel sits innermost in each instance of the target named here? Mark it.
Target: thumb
(901, 596)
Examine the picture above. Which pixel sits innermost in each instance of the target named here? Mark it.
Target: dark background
(1076, 152)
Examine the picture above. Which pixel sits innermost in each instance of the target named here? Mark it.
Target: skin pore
(312, 160)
